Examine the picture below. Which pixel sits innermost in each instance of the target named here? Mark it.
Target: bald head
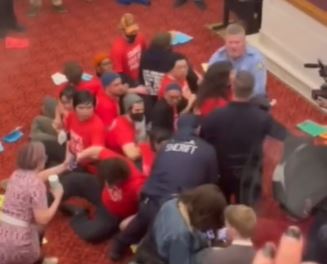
(235, 41)
(243, 85)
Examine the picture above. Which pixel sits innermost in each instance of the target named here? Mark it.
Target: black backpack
(300, 179)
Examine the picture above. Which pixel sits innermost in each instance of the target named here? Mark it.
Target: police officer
(184, 162)
(243, 58)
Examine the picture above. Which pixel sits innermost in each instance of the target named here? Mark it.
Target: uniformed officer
(184, 162)
(243, 57)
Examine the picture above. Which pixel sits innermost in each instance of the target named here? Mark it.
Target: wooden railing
(311, 9)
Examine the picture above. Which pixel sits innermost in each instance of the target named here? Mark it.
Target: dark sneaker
(201, 5)
(179, 3)
(33, 10)
(72, 210)
(60, 9)
(117, 251)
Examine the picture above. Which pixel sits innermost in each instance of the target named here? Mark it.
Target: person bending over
(183, 162)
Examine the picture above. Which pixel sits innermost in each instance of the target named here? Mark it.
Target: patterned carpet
(87, 29)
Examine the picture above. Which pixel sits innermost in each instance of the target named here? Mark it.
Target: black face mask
(137, 117)
(130, 38)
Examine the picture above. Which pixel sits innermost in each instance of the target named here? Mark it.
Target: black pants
(7, 15)
(56, 153)
(137, 228)
(317, 240)
(103, 225)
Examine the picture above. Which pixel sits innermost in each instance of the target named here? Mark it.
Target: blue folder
(181, 38)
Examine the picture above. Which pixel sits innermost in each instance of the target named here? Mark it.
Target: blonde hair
(235, 29)
(128, 24)
(242, 218)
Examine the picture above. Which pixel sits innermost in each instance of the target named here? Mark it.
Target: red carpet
(87, 29)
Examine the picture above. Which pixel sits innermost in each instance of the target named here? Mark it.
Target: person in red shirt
(114, 191)
(102, 64)
(214, 91)
(74, 72)
(84, 128)
(107, 107)
(127, 49)
(122, 135)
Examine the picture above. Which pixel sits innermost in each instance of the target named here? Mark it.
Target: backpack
(300, 179)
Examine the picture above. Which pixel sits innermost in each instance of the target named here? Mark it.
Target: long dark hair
(216, 82)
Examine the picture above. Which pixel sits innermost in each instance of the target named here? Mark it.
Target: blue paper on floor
(13, 137)
(180, 38)
(87, 77)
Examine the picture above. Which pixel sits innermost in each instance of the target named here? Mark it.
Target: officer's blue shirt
(251, 61)
(182, 164)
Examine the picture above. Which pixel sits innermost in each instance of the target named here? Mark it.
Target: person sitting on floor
(126, 51)
(122, 136)
(176, 235)
(25, 211)
(113, 190)
(83, 129)
(107, 107)
(165, 112)
(240, 222)
(102, 64)
(214, 91)
(74, 72)
(48, 126)
(184, 162)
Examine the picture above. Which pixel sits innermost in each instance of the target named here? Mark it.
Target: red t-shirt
(93, 86)
(212, 104)
(167, 80)
(148, 156)
(122, 201)
(126, 56)
(107, 108)
(121, 132)
(84, 134)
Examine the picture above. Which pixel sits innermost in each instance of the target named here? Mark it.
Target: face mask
(137, 117)
(131, 38)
